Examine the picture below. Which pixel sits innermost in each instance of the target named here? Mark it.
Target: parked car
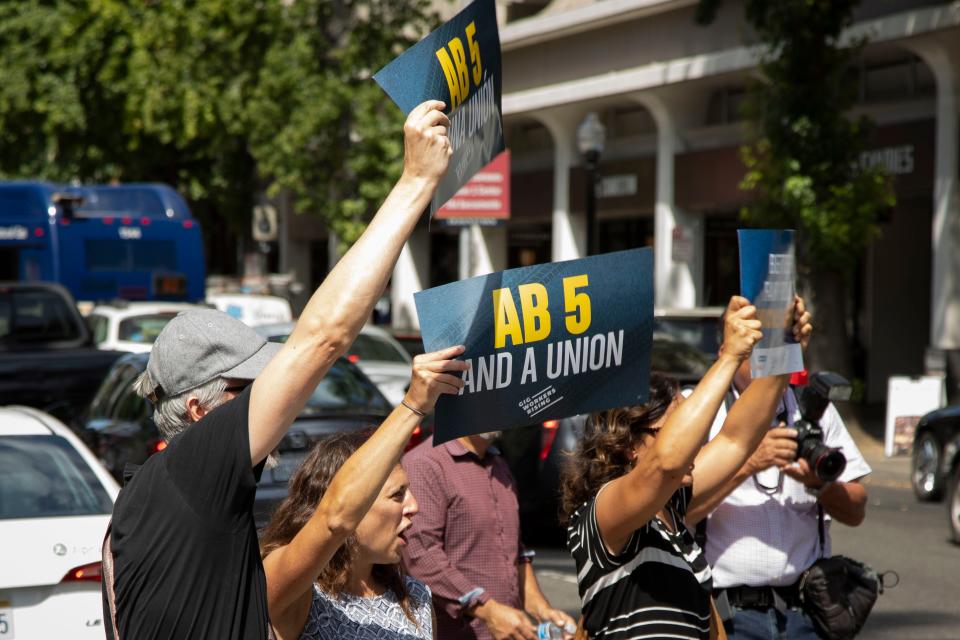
(375, 351)
(48, 359)
(410, 340)
(252, 309)
(936, 445)
(953, 499)
(119, 424)
(55, 502)
(131, 326)
(685, 344)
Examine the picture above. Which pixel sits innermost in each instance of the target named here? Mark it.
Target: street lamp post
(591, 135)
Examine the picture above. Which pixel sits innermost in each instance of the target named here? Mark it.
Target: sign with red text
(484, 200)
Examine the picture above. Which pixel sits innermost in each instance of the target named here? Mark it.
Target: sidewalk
(866, 426)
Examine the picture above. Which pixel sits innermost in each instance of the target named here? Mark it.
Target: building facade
(668, 92)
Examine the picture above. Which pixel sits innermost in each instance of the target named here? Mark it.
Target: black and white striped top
(657, 587)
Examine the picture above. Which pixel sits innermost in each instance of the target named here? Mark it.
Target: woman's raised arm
(664, 456)
(292, 569)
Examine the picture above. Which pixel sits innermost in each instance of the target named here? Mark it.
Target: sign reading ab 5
(459, 64)
(453, 60)
(543, 342)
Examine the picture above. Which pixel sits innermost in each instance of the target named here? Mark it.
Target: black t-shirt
(658, 586)
(186, 557)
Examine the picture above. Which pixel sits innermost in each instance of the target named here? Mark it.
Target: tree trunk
(825, 292)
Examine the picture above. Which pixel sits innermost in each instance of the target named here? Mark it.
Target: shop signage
(484, 200)
(618, 186)
(897, 161)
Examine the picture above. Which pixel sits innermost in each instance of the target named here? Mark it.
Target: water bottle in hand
(550, 631)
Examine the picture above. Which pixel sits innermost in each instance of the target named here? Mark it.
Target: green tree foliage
(803, 164)
(221, 98)
(319, 126)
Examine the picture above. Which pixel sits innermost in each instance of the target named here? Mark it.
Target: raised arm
(733, 455)
(292, 569)
(664, 457)
(340, 306)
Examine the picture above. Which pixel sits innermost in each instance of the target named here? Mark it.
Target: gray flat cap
(198, 346)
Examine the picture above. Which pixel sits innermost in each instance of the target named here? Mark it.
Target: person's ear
(194, 410)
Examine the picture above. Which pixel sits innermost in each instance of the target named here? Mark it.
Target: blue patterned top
(377, 618)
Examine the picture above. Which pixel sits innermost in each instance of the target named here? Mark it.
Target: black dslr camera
(824, 387)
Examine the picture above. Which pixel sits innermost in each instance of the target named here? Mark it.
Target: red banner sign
(484, 200)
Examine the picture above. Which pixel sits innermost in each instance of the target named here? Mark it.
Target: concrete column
(569, 230)
(488, 249)
(410, 275)
(678, 279)
(942, 55)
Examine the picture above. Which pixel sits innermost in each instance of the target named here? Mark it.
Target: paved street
(900, 534)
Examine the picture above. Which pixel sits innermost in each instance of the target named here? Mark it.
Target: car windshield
(44, 477)
(30, 316)
(368, 347)
(697, 332)
(678, 359)
(346, 390)
(143, 329)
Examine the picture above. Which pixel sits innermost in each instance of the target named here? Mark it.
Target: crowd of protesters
(366, 547)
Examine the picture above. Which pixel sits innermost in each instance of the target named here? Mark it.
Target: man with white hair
(182, 559)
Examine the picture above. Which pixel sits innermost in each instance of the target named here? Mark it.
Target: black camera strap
(821, 531)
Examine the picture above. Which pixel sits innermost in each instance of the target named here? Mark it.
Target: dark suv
(935, 467)
(118, 424)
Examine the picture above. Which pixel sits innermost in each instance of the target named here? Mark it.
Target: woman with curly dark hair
(331, 553)
(635, 473)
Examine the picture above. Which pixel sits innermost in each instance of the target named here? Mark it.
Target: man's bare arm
(342, 304)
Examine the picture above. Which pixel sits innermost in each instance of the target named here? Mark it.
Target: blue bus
(102, 242)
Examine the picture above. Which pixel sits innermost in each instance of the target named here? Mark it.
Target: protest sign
(768, 276)
(543, 342)
(459, 63)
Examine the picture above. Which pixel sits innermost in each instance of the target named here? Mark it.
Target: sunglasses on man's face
(237, 387)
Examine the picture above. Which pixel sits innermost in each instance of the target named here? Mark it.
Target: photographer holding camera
(762, 529)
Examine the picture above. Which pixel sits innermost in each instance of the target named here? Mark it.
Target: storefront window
(625, 233)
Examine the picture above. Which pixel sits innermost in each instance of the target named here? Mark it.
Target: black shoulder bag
(838, 592)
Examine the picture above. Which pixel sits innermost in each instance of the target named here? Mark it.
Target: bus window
(18, 202)
(106, 255)
(154, 254)
(122, 255)
(121, 201)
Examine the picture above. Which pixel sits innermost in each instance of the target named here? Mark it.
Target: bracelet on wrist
(416, 411)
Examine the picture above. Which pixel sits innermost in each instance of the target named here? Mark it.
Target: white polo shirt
(768, 537)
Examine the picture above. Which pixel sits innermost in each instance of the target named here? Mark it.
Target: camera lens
(829, 464)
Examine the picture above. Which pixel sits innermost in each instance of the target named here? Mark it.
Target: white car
(131, 326)
(375, 351)
(252, 309)
(55, 502)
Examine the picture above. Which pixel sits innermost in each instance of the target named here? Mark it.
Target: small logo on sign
(60, 549)
(130, 233)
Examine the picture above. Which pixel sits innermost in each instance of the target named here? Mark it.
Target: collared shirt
(467, 533)
(765, 532)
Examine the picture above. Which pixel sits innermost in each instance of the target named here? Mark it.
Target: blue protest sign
(459, 63)
(768, 275)
(543, 342)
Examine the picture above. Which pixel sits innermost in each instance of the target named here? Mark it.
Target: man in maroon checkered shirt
(465, 543)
